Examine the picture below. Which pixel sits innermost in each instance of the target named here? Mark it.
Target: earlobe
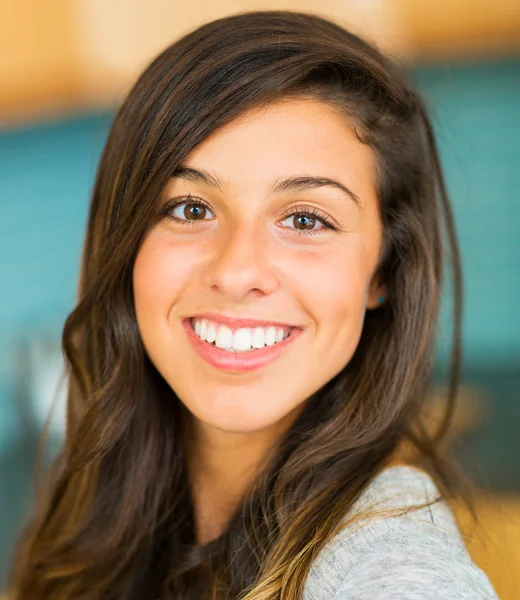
(376, 298)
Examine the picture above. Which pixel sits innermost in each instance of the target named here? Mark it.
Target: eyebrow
(294, 184)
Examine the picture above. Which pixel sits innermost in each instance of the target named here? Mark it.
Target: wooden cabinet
(39, 65)
(462, 28)
(494, 541)
(62, 54)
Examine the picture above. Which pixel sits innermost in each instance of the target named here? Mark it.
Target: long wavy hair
(114, 518)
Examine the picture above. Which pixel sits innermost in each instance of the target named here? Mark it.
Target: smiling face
(302, 254)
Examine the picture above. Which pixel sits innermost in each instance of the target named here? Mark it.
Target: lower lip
(239, 361)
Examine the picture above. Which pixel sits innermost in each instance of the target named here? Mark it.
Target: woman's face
(246, 247)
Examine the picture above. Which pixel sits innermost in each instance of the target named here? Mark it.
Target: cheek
(160, 273)
(334, 285)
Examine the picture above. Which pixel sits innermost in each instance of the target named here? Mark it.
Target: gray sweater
(415, 556)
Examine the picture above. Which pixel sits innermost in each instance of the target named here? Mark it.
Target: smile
(243, 339)
(243, 349)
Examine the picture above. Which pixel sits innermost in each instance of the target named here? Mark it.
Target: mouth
(241, 350)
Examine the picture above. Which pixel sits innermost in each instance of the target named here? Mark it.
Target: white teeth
(224, 337)
(211, 333)
(258, 338)
(242, 340)
(270, 336)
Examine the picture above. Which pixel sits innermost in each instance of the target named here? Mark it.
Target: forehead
(287, 137)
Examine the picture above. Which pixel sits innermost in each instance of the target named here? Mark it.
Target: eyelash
(298, 210)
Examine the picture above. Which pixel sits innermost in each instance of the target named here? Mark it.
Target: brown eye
(305, 221)
(187, 211)
(194, 211)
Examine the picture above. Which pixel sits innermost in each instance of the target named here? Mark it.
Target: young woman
(254, 336)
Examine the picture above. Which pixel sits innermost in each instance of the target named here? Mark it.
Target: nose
(241, 264)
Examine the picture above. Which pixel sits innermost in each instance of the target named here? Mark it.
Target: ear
(376, 291)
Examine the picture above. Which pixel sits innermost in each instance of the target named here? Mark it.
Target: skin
(244, 257)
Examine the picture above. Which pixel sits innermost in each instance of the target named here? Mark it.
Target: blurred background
(65, 65)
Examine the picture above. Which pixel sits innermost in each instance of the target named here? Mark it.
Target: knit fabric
(417, 555)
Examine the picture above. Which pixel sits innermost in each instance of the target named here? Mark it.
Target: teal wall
(46, 174)
(477, 118)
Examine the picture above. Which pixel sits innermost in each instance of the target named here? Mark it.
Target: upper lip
(237, 323)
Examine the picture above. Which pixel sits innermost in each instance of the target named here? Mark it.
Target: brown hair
(116, 517)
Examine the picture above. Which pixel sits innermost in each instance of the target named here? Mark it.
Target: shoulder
(403, 553)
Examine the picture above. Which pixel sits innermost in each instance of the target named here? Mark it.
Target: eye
(194, 210)
(307, 217)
